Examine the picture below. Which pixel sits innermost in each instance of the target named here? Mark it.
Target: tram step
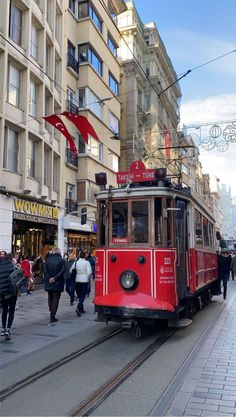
(179, 323)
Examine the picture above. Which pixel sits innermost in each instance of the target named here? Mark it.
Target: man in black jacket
(7, 296)
(54, 268)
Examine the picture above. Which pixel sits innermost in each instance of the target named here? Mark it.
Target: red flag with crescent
(82, 124)
(55, 121)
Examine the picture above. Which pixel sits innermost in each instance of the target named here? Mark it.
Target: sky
(195, 32)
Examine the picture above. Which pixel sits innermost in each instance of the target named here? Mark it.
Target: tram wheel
(138, 332)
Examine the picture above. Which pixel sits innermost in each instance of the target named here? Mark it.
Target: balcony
(72, 63)
(71, 107)
(71, 158)
(70, 205)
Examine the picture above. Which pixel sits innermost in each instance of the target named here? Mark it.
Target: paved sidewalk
(208, 388)
(31, 330)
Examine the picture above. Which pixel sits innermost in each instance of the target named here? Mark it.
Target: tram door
(181, 246)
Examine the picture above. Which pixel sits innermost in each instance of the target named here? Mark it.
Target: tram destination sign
(138, 173)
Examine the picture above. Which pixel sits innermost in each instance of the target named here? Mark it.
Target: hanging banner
(55, 121)
(81, 122)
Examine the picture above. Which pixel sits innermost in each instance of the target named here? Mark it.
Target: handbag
(73, 272)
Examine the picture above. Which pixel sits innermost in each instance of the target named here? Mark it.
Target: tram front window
(119, 222)
(139, 224)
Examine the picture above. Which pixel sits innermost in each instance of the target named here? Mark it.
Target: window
(31, 163)
(87, 54)
(113, 123)
(14, 86)
(16, 24)
(158, 221)
(47, 165)
(113, 161)
(32, 99)
(81, 190)
(113, 84)
(86, 9)
(139, 222)
(81, 145)
(147, 40)
(89, 100)
(56, 170)
(95, 148)
(120, 222)
(34, 42)
(205, 232)
(147, 102)
(198, 227)
(112, 45)
(72, 5)
(11, 147)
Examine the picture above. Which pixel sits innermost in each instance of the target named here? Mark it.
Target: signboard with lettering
(35, 212)
(138, 173)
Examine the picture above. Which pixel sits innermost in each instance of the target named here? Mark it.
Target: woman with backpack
(8, 296)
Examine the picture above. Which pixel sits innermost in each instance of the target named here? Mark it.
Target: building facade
(91, 80)
(150, 116)
(31, 41)
(55, 55)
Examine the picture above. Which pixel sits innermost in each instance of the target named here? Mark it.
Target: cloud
(211, 109)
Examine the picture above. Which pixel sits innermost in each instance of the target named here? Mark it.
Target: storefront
(79, 236)
(35, 228)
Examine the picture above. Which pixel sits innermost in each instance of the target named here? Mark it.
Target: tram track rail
(7, 392)
(92, 402)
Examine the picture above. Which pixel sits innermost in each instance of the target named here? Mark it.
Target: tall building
(91, 79)
(150, 116)
(31, 47)
(55, 55)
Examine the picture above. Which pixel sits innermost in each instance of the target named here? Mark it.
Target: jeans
(8, 308)
(53, 302)
(70, 289)
(81, 289)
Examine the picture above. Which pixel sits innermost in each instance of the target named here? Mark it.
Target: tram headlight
(129, 280)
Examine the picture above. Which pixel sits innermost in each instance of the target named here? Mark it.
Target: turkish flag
(55, 121)
(82, 124)
(167, 143)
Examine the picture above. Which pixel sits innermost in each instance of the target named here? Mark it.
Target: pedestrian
(26, 267)
(83, 273)
(233, 266)
(90, 258)
(54, 269)
(70, 278)
(7, 295)
(224, 261)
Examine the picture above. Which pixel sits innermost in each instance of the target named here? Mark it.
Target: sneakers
(78, 312)
(7, 334)
(53, 320)
(3, 332)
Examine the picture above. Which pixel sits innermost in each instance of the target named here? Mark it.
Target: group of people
(226, 267)
(59, 272)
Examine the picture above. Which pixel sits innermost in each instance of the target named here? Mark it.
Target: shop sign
(32, 211)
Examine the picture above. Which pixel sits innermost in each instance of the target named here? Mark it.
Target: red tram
(156, 253)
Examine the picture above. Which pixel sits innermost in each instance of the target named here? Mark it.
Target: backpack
(15, 278)
(74, 271)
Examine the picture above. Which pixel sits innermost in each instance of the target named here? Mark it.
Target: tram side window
(139, 230)
(158, 221)
(205, 232)
(102, 223)
(198, 228)
(211, 241)
(119, 221)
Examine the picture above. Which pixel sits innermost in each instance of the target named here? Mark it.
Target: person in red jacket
(27, 271)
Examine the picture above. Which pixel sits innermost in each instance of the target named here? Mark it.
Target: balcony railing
(73, 63)
(71, 158)
(70, 205)
(71, 107)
